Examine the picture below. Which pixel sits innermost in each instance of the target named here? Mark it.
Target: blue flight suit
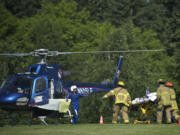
(75, 105)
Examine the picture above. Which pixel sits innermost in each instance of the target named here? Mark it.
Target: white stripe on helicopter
(84, 90)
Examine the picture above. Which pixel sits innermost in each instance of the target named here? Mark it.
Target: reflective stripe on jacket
(121, 96)
(174, 105)
(173, 99)
(163, 95)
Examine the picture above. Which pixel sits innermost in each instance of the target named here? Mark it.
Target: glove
(66, 99)
(86, 95)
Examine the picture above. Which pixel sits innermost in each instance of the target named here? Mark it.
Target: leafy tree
(153, 16)
(7, 29)
(6, 25)
(22, 8)
(115, 11)
(142, 68)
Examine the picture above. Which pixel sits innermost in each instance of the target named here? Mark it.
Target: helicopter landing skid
(69, 115)
(42, 118)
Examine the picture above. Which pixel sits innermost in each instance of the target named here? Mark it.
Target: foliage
(6, 25)
(22, 8)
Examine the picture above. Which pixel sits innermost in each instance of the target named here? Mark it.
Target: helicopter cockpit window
(17, 85)
(6, 83)
(40, 85)
(33, 69)
(23, 85)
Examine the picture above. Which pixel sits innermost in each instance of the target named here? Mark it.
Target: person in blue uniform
(74, 96)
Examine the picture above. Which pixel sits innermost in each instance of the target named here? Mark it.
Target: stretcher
(145, 106)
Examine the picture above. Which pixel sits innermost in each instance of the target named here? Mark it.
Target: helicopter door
(40, 91)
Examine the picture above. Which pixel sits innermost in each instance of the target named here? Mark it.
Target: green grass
(93, 129)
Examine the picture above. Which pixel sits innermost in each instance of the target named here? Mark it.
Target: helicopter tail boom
(117, 73)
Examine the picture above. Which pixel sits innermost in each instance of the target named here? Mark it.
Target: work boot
(126, 121)
(169, 121)
(114, 122)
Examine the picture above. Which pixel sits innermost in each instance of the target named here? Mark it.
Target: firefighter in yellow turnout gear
(174, 106)
(164, 102)
(122, 102)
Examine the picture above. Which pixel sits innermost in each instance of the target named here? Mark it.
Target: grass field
(93, 129)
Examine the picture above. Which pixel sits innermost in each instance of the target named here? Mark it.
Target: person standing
(74, 96)
(174, 106)
(122, 102)
(164, 102)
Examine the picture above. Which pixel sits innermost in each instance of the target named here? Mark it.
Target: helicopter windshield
(17, 85)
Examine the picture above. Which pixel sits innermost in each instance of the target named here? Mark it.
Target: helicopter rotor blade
(15, 54)
(96, 52)
(46, 52)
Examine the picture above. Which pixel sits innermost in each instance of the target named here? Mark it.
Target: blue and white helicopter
(41, 90)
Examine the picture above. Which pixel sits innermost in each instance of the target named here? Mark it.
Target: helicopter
(41, 90)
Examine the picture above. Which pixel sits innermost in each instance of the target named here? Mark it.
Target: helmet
(169, 84)
(73, 87)
(121, 83)
(161, 81)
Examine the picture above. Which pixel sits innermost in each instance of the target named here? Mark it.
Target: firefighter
(74, 96)
(122, 102)
(164, 102)
(174, 106)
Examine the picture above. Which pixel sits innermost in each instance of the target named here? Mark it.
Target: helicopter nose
(8, 98)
